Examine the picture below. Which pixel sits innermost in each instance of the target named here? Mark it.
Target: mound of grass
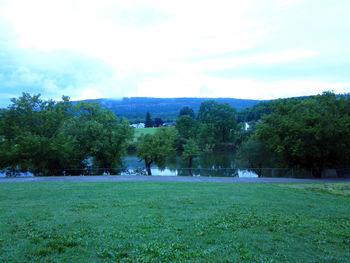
(340, 189)
(158, 222)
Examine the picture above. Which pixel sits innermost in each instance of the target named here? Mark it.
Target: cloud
(111, 48)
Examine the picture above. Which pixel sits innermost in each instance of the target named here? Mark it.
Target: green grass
(139, 132)
(340, 189)
(158, 222)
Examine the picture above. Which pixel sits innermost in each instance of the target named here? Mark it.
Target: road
(170, 179)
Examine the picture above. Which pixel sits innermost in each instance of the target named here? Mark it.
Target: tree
(187, 111)
(254, 156)
(219, 123)
(44, 137)
(311, 132)
(97, 134)
(187, 127)
(158, 122)
(156, 148)
(30, 140)
(148, 120)
(191, 150)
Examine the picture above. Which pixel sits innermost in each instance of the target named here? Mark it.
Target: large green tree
(254, 156)
(30, 138)
(45, 137)
(157, 148)
(311, 132)
(218, 123)
(98, 134)
(187, 127)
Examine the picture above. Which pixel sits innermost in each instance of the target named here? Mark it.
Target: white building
(138, 125)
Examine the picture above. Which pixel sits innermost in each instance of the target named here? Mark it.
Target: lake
(209, 164)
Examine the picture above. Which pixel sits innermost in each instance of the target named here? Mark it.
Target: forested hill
(135, 108)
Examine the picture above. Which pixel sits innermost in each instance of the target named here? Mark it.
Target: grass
(340, 189)
(158, 222)
(139, 132)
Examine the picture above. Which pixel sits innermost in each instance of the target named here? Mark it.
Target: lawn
(139, 132)
(158, 222)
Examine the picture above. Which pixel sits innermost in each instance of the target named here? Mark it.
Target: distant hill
(135, 108)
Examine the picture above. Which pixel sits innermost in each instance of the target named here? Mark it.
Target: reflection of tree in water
(209, 164)
(217, 160)
(217, 164)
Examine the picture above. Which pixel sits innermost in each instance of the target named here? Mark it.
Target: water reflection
(219, 164)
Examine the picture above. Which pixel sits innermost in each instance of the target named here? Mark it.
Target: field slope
(159, 221)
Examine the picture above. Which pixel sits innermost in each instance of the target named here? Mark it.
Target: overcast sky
(253, 49)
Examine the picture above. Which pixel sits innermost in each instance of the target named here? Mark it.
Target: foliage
(157, 148)
(256, 112)
(30, 137)
(97, 134)
(187, 127)
(177, 222)
(312, 132)
(191, 150)
(187, 111)
(218, 123)
(45, 137)
(158, 122)
(253, 155)
(148, 120)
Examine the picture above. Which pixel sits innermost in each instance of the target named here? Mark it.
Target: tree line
(46, 137)
(302, 133)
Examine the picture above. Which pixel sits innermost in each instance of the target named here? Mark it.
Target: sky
(251, 49)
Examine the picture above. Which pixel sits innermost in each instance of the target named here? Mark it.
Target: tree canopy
(218, 123)
(187, 111)
(45, 137)
(312, 132)
(157, 148)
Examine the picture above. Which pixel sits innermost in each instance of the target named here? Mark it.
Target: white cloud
(164, 48)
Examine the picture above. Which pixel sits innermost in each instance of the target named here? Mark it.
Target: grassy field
(139, 132)
(158, 222)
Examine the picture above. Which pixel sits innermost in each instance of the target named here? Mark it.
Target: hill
(135, 108)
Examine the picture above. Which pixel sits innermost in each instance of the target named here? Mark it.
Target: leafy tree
(311, 132)
(98, 134)
(158, 122)
(44, 137)
(219, 123)
(254, 156)
(157, 148)
(29, 137)
(191, 150)
(187, 111)
(148, 120)
(256, 112)
(187, 127)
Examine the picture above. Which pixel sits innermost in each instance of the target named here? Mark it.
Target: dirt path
(170, 179)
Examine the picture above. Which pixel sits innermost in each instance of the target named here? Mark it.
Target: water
(210, 164)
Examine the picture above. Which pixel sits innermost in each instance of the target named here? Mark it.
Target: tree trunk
(148, 167)
(190, 166)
